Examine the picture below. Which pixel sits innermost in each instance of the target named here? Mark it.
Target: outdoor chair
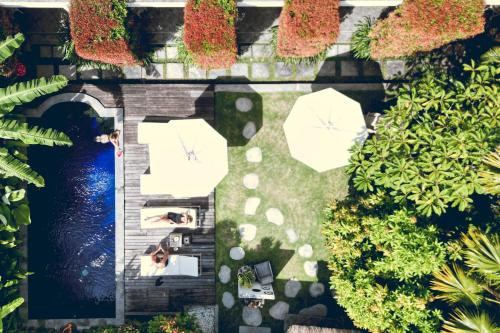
(264, 273)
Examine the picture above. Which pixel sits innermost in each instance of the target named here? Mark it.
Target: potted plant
(246, 276)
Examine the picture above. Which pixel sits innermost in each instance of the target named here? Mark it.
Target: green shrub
(360, 40)
(181, 322)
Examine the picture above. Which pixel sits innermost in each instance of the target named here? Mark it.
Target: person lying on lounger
(171, 218)
(159, 257)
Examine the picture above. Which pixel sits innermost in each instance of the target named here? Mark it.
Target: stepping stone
(292, 235)
(311, 268)
(251, 329)
(274, 215)
(292, 288)
(279, 310)
(251, 181)
(251, 317)
(249, 130)
(306, 251)
(224, 274)
(247, 231)
(316, 289)
(244, 104)
(227, 300)
(237, 253)
(318, 310)
(254, 155)
(251, 205)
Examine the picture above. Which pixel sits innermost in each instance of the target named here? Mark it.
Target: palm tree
(476, 286)
(490, 178)
(12, 128)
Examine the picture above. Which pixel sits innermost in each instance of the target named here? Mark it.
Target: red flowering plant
(210, 32)
(424, 25)
(99, 31)
(307, 28)
(9, 28)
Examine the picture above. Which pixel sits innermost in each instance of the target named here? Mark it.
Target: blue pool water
(71, 239)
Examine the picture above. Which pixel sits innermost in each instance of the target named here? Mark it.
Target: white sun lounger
(177, 265)
(155, 211)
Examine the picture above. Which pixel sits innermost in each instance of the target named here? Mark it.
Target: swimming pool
(71, 240)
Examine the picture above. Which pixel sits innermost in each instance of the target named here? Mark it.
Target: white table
(257, 291)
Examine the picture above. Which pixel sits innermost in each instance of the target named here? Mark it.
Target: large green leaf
(9, 45)
(16, 130)
(24, 92)
(12, 167)
(463, 321)
(9, 308)
(22, 214)
(482, 253)
(455, 286)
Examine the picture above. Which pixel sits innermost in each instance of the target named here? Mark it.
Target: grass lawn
(285, 183)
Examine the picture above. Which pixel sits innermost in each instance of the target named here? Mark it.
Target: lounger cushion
(154, 211)
(177, 265)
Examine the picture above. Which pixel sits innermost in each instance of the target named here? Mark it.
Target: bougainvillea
(210, 33)
(307, 27)
(98, 29)
(423, 25)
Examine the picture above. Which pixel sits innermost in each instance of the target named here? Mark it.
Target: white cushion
(177, 265)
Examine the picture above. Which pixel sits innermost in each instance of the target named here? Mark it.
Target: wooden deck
(159, 102)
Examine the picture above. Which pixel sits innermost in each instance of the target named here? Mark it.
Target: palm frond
(490, 179)
(9, 45)
(463, 321)
(492, 55)
(455, 286)
(12, 167)
(15, 130)
(24, 92)
(482, 254)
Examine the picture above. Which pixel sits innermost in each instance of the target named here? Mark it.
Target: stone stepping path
(251, 205)
(279, 310)
(292, 288)
(292, 235)
(247, 231)
(237, 253)
(251, 181)
(251, 317)
(249, 130)
(316, 289)
(311, 268)
(254, 155)
(318, 310)
(224, 274)
(275, 216)
(243, 104)
(306, 251)
(227, 300)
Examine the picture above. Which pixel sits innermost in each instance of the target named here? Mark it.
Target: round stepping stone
(254, 155)
(227, 300)
(292, 235)
(292, 288)
(247, 231)
(274, 215)
(224, 274)
(306, 251)
(251, 181)
(251, 317)
(251, 205)
(311, 268)
(279, 310)
(316, 289)
(237, 253)
(243, 104)
(249, 130)
(318, 310)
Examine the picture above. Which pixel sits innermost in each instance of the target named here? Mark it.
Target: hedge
(99, 32)
(307, 27)
(210, 32)
(424, 25)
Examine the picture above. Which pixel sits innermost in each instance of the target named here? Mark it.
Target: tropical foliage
(423, 25)
(431, 144)
(99, 31)
(180, 323)
(473, 285)
(490, 178)
(380, 261)
(210, 32)
(360, 40)
(307, 28)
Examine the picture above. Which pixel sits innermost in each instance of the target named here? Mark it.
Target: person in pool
(159, 257)
(171, 218)
(113, 138)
